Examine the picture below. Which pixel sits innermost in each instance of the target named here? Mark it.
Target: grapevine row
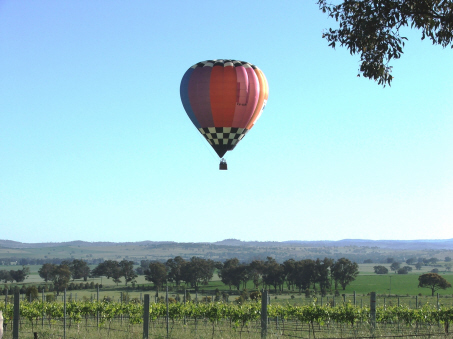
(239, 315)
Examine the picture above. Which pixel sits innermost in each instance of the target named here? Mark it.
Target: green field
(403, 285)
(367, 281)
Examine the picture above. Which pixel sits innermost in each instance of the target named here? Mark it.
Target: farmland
(244, 251)
(88, 319)
(402, 285)
(392, 290)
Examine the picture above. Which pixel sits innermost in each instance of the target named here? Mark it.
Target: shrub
(255, 296)
(31, 292)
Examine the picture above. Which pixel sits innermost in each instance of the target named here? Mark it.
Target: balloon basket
(223, 165)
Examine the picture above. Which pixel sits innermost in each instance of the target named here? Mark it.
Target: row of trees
(60, 275)
(303, 274)
(14, 275)
(397, 268)
(194, 272)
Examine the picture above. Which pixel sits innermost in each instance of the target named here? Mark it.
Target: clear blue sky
(95, 144)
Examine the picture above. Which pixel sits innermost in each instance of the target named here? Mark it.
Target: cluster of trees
(417, 263)
(60, 275)
(14, 275)
(303, 274)
(116, 270)
(194, 272)
(9, 290)
(396, 267)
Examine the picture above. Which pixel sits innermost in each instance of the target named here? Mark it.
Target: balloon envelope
(223, 99)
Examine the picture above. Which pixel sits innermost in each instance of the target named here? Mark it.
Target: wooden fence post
(42, 312)
(16, 315)
(264, 314)
(146, 317)
(185, 295)
(373, 312)
(97, 312)
(1, 325)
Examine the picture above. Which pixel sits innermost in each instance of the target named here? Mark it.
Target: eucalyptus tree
(373, 29)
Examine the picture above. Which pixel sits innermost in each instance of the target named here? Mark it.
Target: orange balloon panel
(223, 99)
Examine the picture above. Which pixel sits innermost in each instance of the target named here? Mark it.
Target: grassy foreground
(223, 330)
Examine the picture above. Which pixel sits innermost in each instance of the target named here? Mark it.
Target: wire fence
(203, 328)
(206, 326)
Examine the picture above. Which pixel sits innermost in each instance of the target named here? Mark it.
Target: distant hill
(80, 243)
(438, 244)
(387, 244)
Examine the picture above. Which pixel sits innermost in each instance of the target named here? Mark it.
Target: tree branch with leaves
(371, 28)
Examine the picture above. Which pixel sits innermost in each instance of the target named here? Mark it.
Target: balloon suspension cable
(223, 164)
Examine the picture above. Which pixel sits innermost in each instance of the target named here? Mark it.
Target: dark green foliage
(174, 267)
(156, 273)
(395, 266)
(402, 270)
(20, 275)
(411, 261)
(433, 281)
(273, 273)
(234, 273)
(79, 269)
(31, 292)
(108, 268)
(197, 271)
(371, 29)
(344, 272)
(126, 269)
(5, 276)
(380, 269)
(60, 277)
(46, 270)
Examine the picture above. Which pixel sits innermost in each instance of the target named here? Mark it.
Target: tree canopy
(156, 273)
(379, 269)
(344, 272)
(433, 281)
(60, 277)
(371, 28)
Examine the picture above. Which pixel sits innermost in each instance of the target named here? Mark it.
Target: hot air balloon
(224, 98)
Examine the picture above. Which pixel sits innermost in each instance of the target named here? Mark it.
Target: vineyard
(222, 320)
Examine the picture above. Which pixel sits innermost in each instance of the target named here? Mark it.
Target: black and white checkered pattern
(227, 136)
(224, 63)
